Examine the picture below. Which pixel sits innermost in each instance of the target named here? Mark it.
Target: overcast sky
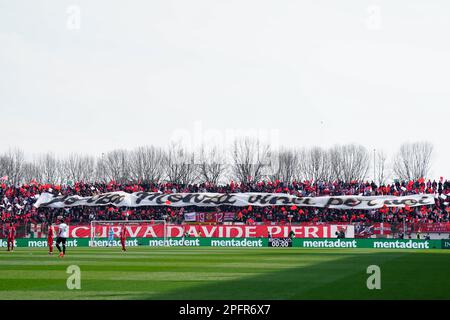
(91, 76)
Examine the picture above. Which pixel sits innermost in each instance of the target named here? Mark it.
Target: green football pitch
(225, 273)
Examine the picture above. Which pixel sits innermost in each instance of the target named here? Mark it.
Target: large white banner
(138, 199)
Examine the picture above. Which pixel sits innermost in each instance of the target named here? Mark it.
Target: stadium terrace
(18, 203)
(122, 199)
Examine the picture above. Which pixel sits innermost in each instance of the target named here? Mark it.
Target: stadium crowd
(17, 202)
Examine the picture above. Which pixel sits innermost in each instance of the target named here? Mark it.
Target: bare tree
(116, 165)
(147, 164)
(285, 165)
(77, 167)
(315, 164)
(180, 165)
(250, 159)
(50, 168)
(349, 162)
(100, 169)
(31, 172)
(413, 160)
(381, 170)
(11, 165)
(212, 164)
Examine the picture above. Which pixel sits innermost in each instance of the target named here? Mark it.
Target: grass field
(225, 273)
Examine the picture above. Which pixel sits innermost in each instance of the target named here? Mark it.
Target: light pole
(374, 165)
(103, 167)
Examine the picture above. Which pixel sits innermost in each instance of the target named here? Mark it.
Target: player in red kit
(11, 236)
(50, 236)
(123, 237)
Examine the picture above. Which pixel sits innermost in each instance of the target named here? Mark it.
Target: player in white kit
(63, 234)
